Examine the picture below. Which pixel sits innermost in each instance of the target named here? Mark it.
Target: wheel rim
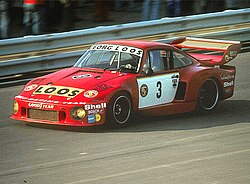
(121, 109)
(209, 94)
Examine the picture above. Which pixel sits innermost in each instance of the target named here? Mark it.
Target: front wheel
(119, 111)
(208, 95)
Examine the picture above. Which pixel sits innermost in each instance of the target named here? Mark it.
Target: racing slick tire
(208, 96)
(119, 111)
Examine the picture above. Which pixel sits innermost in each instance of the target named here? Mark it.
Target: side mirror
(149, 71)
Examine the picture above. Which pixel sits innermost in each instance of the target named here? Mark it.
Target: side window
(180, 60)
(158, 60)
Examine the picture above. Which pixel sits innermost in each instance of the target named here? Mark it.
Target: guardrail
(32, 46)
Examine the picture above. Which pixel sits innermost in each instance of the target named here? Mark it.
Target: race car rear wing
(209, 51)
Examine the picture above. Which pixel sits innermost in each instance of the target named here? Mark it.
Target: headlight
(15, 107)
(77, 113)
(80, 113)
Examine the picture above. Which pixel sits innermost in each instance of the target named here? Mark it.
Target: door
(158, 89)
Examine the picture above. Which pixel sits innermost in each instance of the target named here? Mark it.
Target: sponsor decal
(74, 103)
(91, 119)
(174, 81)
(50, 101)
(228, 58)
(95, 106)
(118, 48)
(82, 76)
(94, 118)
(102, 87)
(229, 91)
(98, 117)
(227, 76)
(91, 94)
(144, 90)
(31, 87)
(40, 106)
(96, 111)
(57, 91)
(233, 53)
(228, 84)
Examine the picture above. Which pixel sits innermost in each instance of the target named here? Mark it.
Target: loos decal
(57, 91)
(228, 84)
(40, 106)
(118, 48)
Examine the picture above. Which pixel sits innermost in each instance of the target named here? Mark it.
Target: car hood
(67, 84)
(80, 78)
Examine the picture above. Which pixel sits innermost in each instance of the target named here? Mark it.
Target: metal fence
(35, 53)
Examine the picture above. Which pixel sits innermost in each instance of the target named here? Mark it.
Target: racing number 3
(159, 89)
(156, 90)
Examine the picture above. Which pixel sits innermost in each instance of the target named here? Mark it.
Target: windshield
(111, 57)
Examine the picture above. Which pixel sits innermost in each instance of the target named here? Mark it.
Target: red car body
(150, 78)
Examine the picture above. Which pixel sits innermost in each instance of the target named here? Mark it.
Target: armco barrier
(131, 30)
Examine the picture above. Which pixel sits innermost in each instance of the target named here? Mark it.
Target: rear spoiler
(209, 51)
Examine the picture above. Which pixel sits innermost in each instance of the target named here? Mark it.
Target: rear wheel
(208, 95)
(119, 111)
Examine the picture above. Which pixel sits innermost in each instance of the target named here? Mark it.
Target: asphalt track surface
(210, 148)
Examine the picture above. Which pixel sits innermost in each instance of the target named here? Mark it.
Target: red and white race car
(114, 79)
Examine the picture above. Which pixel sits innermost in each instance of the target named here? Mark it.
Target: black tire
(119, 111)
(208, 96)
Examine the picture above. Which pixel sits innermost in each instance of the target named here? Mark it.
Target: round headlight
(15, 107)
(77, 113)
(80, 113)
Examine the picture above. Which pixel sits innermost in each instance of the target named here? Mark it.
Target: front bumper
(58, 113)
